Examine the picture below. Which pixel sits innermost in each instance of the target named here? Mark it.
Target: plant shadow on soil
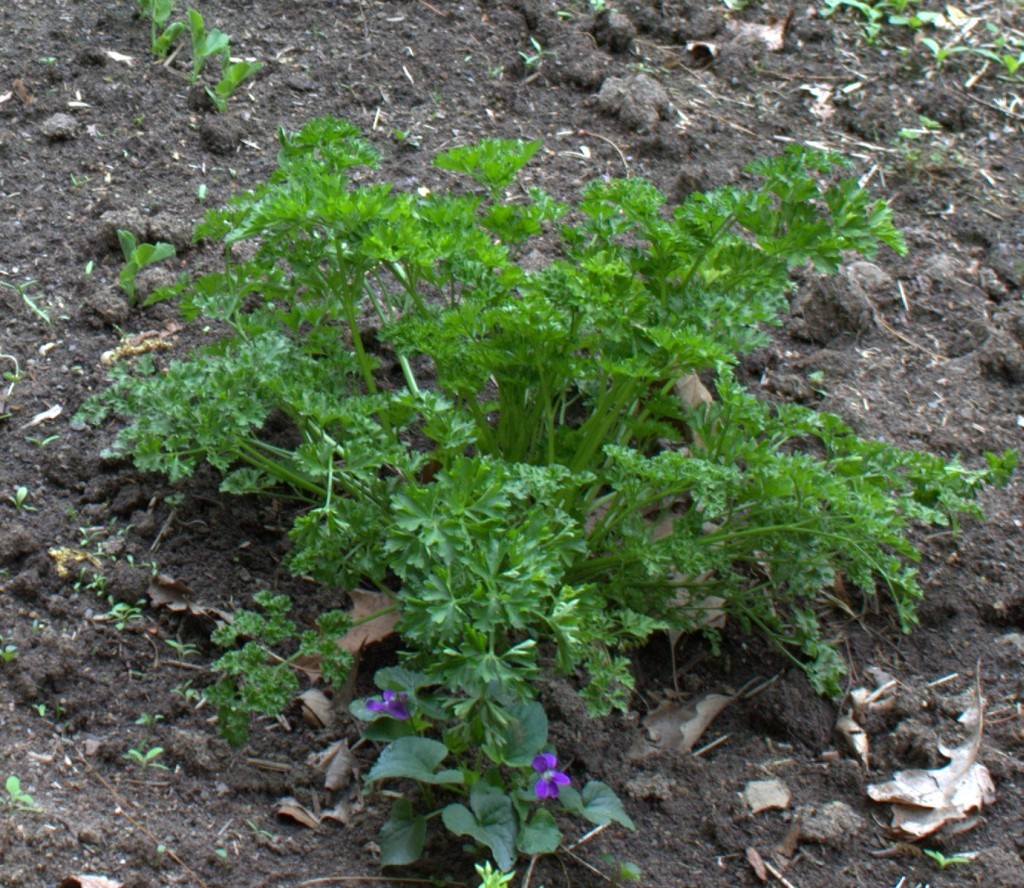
(926, 351)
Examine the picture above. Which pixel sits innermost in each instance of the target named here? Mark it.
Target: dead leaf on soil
(676, 727)
(88, 882)
(764, 795)
(139, 344)
(165, 591)
(316, 708)
(65, 555)
(338, 763)
(822, 107)
(291, 809)
(756, 862)
(924, 801)
(366, 604)
(864, 703)
(771, 34)
(119, 57)
(855, 737)
(51, 413)
(692, 392)
(342, 812)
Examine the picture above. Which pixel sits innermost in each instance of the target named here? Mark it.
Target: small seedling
(188, 693)
(17, 799)
(944, 862)
(121, 613)
(492, 878)
(148, 720)
(20, 500)
(22, 290)
(232, 75)
(8, 652)
(42, 442)
(622, 870)
(182, 648)
(40, 709)
(146, 758)
(163, 36)
(136, 257)
(204, 43)
(532, 60)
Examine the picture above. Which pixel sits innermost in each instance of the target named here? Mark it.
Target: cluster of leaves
(1003, 47)
(502, 772)
(502, 446)
(206, 44)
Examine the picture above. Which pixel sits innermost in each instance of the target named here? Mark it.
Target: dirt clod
(834, 824)
(639, 101)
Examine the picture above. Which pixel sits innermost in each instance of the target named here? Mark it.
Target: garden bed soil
(926, 351)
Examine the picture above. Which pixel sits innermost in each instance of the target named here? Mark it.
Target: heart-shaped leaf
(415, 758)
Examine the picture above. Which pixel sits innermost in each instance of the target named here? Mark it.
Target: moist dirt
(926, 351)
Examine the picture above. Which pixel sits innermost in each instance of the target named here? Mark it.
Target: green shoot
(204, 43)
(944, 862)
(17, 798)
(232, 75)
(20, 500)
(146, 758)
(137, 256)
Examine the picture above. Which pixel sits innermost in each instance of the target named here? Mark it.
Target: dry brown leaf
(692, 392)
(291, 809)
(756, 862)
(365, 604)
(771, 35)
(88, 882)
(343, 812)
(317, 710)
(139, 344)
(763, 795)
(855, 737)
(339, 764)
(51, 413)
(924, 801)
(676, 727)
(21, 91)
(165, 591)
(65, 555)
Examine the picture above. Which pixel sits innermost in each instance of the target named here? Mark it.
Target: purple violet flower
(392, 704)
(550, 779)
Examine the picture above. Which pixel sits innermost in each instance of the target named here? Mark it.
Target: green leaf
(402, 835)
(128, 243)
(540, 836)
(598, 803)
(492, 822)
(415, 758)
(525, 736)
(492, 162)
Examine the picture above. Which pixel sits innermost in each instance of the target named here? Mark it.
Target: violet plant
(502, 792)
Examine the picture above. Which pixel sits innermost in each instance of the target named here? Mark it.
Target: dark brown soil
(926, 351)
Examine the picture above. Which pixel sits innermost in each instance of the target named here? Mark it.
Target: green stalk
(726, 224)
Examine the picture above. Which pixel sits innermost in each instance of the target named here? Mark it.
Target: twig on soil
(588, 836)
(335, 880)
(944, 680)
(593, 869)
(708, 747)
(777, 873)
(433, 8)
(1009, 113)
(529, 871)
(618, 150)
(123, 805)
